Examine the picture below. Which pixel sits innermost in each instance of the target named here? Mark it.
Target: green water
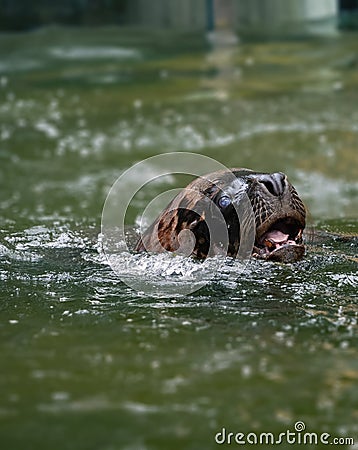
(88, 363)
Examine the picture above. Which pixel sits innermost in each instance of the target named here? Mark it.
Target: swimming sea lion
(207, 215)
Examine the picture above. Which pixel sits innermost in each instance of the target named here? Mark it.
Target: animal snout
(275, 183)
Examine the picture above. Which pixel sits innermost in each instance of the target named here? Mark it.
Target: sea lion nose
(275, 183)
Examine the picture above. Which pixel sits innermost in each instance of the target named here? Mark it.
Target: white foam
(95, 52)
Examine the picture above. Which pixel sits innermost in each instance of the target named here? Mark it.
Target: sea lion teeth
(269, 244)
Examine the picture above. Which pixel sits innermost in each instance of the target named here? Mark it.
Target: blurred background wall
(244, 15)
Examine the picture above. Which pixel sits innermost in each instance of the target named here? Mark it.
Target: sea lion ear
(193, 224)
(196, 221)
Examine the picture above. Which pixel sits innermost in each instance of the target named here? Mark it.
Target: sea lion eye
(224, 201)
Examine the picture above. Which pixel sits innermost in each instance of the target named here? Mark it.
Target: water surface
(86, 362)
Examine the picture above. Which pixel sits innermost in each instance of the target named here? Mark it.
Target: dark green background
(87, 363)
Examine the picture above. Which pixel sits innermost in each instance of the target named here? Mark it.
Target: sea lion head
(207, 217)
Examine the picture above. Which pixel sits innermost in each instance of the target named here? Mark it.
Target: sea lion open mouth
(281, 242)
(210, 203)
